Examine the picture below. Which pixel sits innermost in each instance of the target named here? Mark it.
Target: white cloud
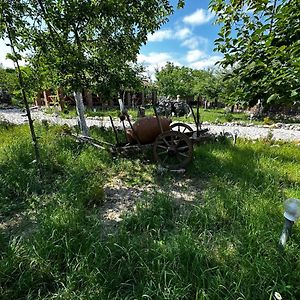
(154, 58)
(154, 61)
(200, 16)
(183, 33)
(160, 35)
(169, 34)
(194, 42)
(206, 62)
(194, 55)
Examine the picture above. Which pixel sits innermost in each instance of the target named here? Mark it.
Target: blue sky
(187, 39)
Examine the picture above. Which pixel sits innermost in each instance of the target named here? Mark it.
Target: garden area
(210, 233)
(207, 115)
(102, 196)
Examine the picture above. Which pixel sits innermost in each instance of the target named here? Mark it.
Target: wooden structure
(172, 148)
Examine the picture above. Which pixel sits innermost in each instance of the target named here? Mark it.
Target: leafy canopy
(260, 39)
(83, 42)
(187, 82)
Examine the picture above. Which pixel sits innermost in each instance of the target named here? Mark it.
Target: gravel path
(16, 116)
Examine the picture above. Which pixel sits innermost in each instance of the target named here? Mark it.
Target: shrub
(228, 117)
(268, 121)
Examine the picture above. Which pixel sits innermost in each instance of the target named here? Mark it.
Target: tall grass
(223, 245)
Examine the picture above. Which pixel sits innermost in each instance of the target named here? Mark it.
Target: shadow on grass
(223, 247)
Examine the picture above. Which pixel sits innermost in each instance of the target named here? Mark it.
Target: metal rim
(173, 150)
(181, 127)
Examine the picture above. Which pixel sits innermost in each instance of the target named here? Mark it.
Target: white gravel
(16, 116)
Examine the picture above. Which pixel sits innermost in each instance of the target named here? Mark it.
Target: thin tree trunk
(89, 99)
(80, 112)
(143, 98)
(38, 100)
(46, 98)
(60, 97)
(30, 121)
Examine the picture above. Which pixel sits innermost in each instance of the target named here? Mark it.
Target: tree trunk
(216, 103)
(61, 99)
(26, 104)
(143, 98)
(80, 112)
(111, 102)
(38, 100)
(89, 99)
(128, 102)
(47, 99)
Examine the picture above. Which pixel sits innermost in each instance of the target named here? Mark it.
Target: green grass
(223, 245)
(208, 115)
(216, 116)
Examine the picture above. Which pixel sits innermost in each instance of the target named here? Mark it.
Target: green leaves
(174, 80)
(180, 4)
(273, 98)
(82, 43)
(12, 57)
(261, 46)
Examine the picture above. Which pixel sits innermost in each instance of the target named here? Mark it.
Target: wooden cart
(172, 149)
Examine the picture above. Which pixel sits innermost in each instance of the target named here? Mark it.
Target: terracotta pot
(147, 129)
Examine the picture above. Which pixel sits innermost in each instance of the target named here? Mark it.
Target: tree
(11, 20)
(207, 84)
(174, 80)
(260, 39)
(86, 40)
(9, 82)
(188, 83)
(127, 78)
(76, 37)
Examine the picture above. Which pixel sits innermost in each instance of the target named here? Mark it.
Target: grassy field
(208, 115)
(219, 244)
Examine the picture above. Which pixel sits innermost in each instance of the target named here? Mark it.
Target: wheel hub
(172, 150)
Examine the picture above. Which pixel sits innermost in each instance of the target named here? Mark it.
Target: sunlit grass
(206, 115)
(223, 245)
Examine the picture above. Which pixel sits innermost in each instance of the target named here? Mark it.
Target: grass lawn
(220, 242)
(208, 115)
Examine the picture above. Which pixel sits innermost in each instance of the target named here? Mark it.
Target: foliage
(9, 82)
(83, 43)
(220, 246)
(174, 80)
(260, 40)
(268, 121)
(188, 83)
(208, 84)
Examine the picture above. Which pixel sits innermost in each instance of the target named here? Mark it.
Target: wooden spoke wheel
(181, 127)
(173, 150)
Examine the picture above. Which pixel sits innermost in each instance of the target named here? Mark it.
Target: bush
(228, 117)
(268, 121)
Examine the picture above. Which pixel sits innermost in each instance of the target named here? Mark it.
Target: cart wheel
(173, 150)
(181, 127)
